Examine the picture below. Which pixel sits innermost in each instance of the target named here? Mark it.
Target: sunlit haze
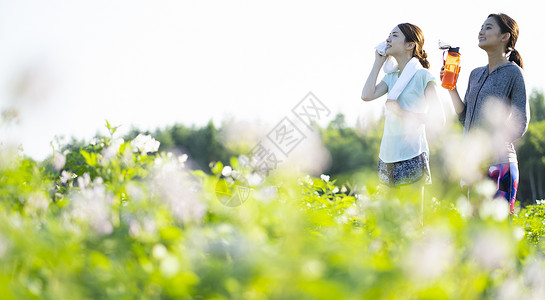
(67, 66)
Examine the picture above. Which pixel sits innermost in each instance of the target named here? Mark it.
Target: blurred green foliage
(117, 221)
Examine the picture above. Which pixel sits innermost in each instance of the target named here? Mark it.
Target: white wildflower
(94, 141)
(362, 200)
(267, 193)
(324, 177)
(66, 176)
(237, 175)
(59, 160)
(430, 257)
(464, 207)
(244, 161)
(256, 179)
(112, 150)
(486, 188)
(134, 228)
(534, 277)
(98, 181)
(93, 206)
(149, 226)
(145, 227)
(179, 191)
(352, 212)
(518, 233)
(158, 161)
(170, 265)
(84, 181)
(144, 144)
(226, 171)
(511, 288)
(134, 192)
(497, 209)
(182, 158)
(9, 155)
(36, 204)
(492, 249)
(159, 251)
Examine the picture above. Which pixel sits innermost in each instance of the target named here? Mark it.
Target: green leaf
(217, 168)
(90, 158)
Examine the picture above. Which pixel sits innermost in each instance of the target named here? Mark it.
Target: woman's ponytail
(515, 57)
(423, 58)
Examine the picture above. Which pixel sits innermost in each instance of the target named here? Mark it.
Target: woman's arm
(520, 109)
(459, 105)
(371, 90)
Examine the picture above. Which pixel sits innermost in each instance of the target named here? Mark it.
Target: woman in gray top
(496, 85)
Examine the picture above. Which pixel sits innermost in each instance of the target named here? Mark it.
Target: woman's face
(395, 43)
(490, 35)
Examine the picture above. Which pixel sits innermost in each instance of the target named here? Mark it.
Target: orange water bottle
(451, 68)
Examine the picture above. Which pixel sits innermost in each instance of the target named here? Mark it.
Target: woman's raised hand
(442, 73)
(380, 58)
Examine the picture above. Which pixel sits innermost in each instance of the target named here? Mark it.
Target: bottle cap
(455, 49)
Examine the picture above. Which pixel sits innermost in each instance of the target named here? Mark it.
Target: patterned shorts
(405, 172)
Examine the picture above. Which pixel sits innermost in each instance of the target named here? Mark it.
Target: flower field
(117, 220)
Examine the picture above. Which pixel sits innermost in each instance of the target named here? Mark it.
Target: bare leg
(422, 205)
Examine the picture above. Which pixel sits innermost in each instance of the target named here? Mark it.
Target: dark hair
(414, 34)
(508, 25)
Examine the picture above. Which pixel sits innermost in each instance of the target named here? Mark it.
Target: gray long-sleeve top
(505, 85)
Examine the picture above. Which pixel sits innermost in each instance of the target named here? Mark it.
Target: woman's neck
(495, 59)
(402, 61)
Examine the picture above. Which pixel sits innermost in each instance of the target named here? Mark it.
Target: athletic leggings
(506, 177)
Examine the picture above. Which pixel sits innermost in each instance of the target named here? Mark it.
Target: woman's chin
(482, 45)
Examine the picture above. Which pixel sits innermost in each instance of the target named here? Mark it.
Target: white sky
(153, 64)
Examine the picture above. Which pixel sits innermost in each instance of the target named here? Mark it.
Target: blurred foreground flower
(178, 189)
(144, 144)
(84, 181)
(112, 149)
(493, 248)
(9, 155)
(36, 204)
(497, 209)
(59, 160)
(93, 206)
(430, 257)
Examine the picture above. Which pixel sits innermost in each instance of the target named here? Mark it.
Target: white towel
(410, 69)
(390, 65)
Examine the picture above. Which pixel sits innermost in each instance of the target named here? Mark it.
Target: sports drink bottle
(451, 68)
